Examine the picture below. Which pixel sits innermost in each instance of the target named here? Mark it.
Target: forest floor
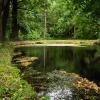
(56, 43)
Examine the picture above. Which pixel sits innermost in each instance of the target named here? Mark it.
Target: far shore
(75, 43)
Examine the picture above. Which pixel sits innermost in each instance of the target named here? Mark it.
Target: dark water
(84, 61)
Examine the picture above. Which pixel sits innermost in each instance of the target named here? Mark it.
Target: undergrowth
(12, 86)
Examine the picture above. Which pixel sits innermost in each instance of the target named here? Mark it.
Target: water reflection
(84, 60)
(60, 94)
(44, 58)
(81, 60)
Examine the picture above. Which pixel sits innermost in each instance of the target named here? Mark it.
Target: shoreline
(76, 43)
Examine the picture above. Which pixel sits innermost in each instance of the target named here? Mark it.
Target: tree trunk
(5, 17)
(1, 33)
(14, 35)
(45, 24)
(4, 12)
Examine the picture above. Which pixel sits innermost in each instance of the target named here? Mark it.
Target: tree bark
(1, 33)
(14, 35)
(5, 17)
(4, 12)
(45, 24)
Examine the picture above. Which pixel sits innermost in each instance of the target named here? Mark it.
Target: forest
(49, 19)
(49, 49)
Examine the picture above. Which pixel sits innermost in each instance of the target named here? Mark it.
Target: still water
(84, 61)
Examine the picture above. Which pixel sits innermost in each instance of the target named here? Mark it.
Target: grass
(56, 42)
(12, 87)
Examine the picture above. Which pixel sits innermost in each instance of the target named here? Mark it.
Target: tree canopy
(36, 19)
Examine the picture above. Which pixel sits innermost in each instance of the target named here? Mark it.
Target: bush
(34, 35)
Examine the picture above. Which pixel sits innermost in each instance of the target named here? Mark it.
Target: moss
(12, 87)
(44, 98)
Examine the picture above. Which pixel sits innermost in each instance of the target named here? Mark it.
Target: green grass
(69, 42)
(12, 87)
(85, 42)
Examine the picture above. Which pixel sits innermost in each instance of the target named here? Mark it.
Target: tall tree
(14, 35)
(1, 33)
(5, 17)
(4, 12)
(1, 19)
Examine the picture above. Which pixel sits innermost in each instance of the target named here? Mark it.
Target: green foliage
(86, 28)
(11, 84)
(34, 35)
(64, 19)
(45, 98)
(25, 92)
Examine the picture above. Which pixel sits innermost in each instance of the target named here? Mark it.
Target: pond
(44, 73)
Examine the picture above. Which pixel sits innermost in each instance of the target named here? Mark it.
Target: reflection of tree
(86, 63)
(83, 61)
(44, 59)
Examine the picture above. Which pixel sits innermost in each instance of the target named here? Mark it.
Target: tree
(4, 12)
(35, 19)
(14, 35)
(87, 19)
(1, 33)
